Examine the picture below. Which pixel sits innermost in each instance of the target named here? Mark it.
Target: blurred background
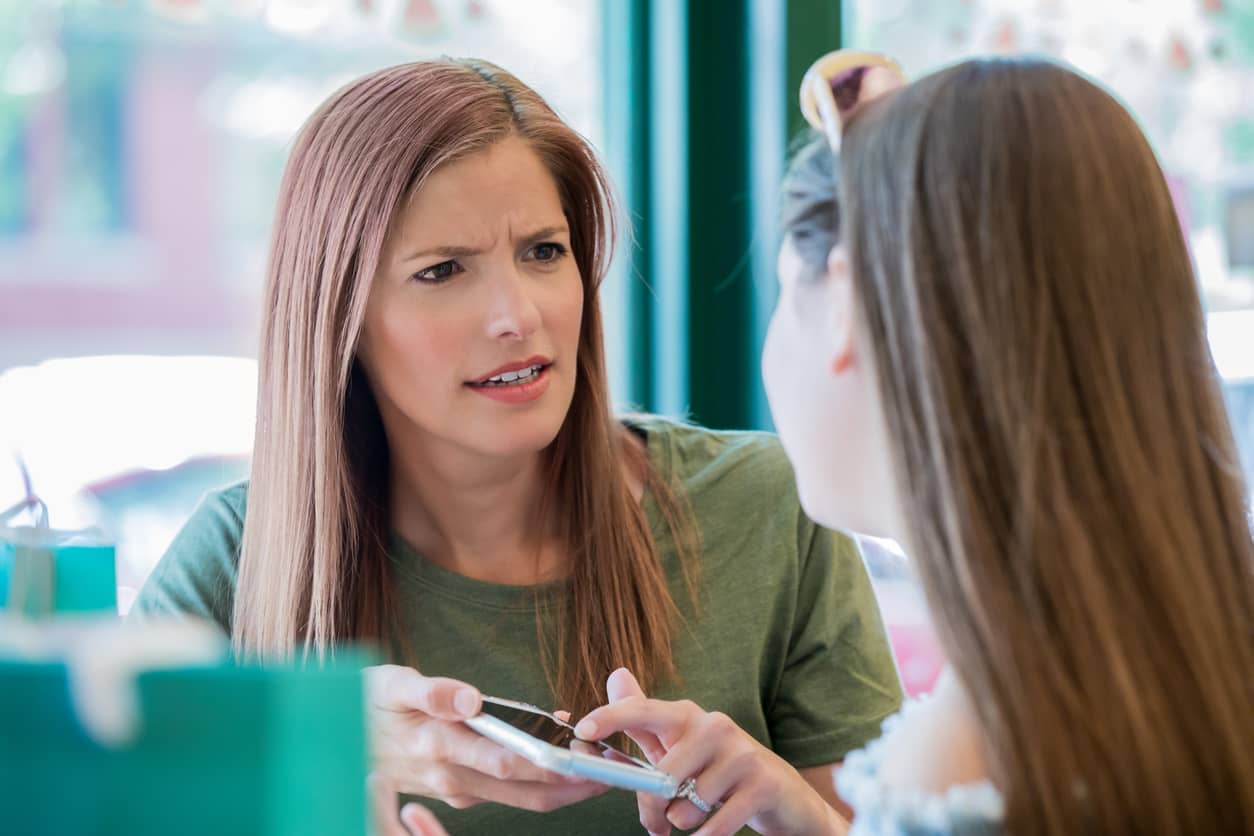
(142, 141)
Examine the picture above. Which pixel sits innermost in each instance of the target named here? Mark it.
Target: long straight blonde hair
(313, 567)
(1073, 495)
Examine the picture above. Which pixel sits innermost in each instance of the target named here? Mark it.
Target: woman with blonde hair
(989, 346)
(437, 470)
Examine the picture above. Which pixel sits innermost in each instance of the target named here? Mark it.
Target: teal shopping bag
(197, 746)
(44, 571)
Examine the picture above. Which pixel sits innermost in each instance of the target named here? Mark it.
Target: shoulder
(928, 798)
(936, 745)
(226, 506)
(197, 573)
(742, 494)
(218, 521)
(738, 484)
(697, 457)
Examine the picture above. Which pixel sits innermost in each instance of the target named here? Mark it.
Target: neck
(474, 515)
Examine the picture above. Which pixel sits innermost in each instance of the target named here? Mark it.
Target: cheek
(799, 389)
(788, 369)
(405, 350)
(564, 307)
(772, 352)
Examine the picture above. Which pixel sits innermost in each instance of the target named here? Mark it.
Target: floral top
(964, 810)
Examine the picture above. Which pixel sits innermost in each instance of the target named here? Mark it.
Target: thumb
(398, 688)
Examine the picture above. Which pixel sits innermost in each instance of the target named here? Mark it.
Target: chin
(521, 438)
(524, 433)
(837, 514)
(515, 432)
(816, 504)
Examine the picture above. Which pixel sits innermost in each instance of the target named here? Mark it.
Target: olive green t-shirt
(787, 639)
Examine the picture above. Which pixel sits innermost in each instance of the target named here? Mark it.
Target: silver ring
(688, 790)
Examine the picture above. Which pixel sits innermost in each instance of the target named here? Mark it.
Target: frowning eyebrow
(462, 252)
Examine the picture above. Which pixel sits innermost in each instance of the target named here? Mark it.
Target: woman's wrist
(827, 819)
(817, 816)
(836, 823)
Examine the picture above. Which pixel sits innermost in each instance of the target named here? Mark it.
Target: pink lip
(517, 365)
(518, 393)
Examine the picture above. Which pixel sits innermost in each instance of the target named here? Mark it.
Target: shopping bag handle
(33, 504)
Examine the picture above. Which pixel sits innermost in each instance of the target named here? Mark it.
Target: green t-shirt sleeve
(839, 676)
(196, 576)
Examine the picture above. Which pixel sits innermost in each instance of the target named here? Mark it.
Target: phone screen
(553, 731)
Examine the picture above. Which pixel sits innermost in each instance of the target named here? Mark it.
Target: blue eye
(438, 273)
(548, 252)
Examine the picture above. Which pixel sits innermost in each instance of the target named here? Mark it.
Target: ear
(840, 313)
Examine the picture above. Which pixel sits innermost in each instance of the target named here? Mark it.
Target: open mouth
(519, 377)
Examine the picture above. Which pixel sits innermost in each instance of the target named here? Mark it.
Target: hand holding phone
(420, 746)
(549, 742)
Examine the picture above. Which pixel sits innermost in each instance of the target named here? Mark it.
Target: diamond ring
(688, 790)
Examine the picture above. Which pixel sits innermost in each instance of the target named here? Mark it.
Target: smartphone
(550, 743)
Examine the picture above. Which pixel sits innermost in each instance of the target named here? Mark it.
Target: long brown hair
(314, 569)
(1074, 502)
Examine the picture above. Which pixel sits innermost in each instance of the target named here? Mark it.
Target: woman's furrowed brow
(463, 251)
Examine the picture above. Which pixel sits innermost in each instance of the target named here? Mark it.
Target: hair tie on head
(841, 81)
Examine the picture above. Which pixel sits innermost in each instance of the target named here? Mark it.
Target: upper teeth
(508, 377)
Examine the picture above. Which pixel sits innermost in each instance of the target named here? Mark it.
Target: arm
(838, 681)
(196, 576)
(822, 779)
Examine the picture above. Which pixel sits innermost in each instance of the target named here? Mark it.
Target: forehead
(506, 183)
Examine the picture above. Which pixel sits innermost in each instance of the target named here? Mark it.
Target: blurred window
(141, 146)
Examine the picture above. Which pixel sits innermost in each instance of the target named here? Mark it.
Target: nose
(512, 313)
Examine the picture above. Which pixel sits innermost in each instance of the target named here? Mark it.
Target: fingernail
(465, 701)
(586, 729)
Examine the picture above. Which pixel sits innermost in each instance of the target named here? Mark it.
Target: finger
(728, 781)
(383, 806)
(690, 759)
(540, 797)
(398, 688)
(717, 754)
(665, 719)
(683, 810)
(653, 813)
(653, 749)
(421, 822)
(620, 685)
(457, 744)
(712, 784)
(564, 716)
(729, 818)
(495, 761)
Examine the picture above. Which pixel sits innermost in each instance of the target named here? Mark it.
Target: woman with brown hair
(437, 470)
(989, 346)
